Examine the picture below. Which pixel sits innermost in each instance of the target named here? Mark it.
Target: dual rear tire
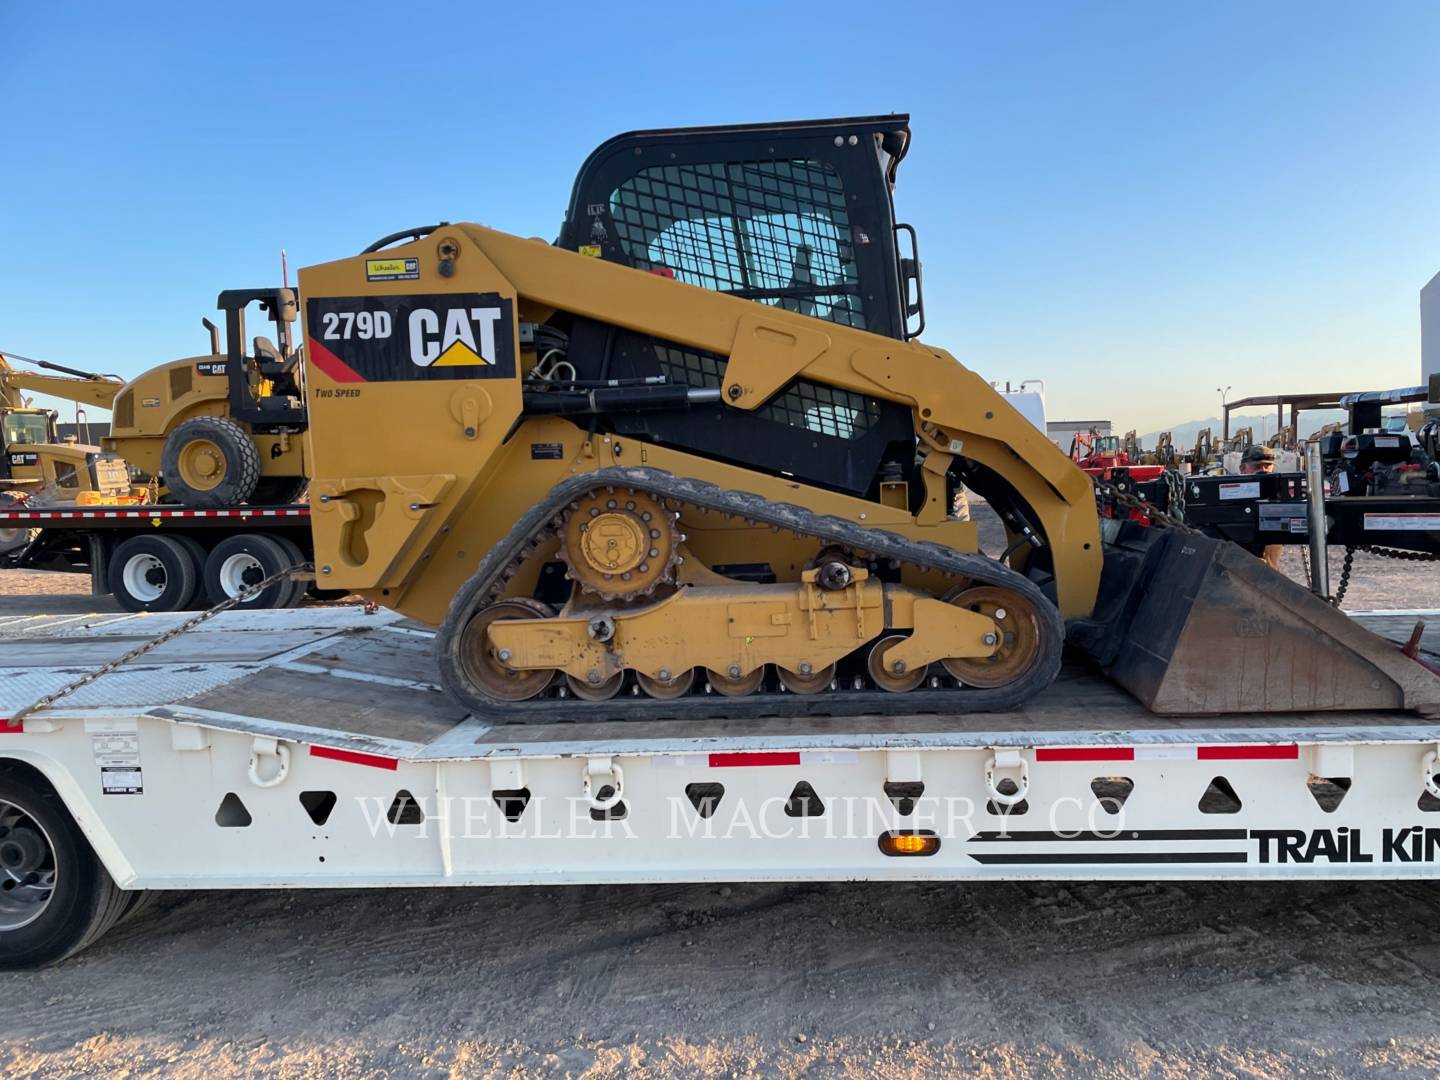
(176, 573)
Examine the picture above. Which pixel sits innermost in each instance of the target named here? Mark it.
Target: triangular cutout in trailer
(1112, 791)
(1329, 792)
(232, 813)
(705, 797)
(404, 810)
(1220, 798)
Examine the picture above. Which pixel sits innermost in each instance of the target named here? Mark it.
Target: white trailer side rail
(312, 748)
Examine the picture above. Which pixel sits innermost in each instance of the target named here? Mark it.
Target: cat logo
(457, 337)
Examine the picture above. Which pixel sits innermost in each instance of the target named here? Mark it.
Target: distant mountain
(1264, 426)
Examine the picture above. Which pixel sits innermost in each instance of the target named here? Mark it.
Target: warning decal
(403, 338)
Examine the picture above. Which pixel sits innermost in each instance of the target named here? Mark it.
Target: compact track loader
(691, 460)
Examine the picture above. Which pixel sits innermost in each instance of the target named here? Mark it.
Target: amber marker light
(896, 842)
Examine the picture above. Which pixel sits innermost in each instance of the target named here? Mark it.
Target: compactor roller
(692, 460)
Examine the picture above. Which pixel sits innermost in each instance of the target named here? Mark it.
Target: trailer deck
(314, 747)
(368, 682)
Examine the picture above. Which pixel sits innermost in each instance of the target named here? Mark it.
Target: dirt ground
(862, 980)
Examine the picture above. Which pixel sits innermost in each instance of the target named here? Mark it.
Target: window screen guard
(773, 231)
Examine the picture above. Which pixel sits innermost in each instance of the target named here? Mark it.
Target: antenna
(284, 271)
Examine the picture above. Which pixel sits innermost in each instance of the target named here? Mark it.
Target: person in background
(1261, 459)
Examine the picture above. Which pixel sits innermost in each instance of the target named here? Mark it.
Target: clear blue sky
(1137, 202)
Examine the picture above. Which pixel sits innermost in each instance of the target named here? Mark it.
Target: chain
(1150, 510)
(140, 650)
(1370, 549)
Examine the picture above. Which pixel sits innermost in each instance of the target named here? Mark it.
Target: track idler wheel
(886, 675)
(482, 663)
(1019, 646)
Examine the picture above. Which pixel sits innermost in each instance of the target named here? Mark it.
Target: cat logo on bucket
(457, 337)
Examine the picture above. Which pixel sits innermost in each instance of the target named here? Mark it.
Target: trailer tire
(239, 561)
(83, 901)
(198, 555)
(153, 573)
(297, 558)
(210, 461)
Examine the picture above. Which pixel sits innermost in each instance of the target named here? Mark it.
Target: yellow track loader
(692, 460)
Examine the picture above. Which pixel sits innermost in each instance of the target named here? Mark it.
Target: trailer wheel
(55, 896)
(295, 557)
(210, 461)
(153, 573)
(238, 562)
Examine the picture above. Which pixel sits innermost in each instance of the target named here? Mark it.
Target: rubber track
(487, 585)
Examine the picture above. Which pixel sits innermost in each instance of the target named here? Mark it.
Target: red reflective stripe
(375, 761)
(9, 727)
(1085, 753)
(1244, 753)
(730, 761)
(332, 365)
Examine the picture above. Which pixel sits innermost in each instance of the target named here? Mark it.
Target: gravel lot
(1025, 979)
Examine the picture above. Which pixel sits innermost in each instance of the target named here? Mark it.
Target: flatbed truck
(164, 557)
(314, 748)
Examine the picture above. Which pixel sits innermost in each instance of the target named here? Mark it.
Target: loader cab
(264, 374)
(796, 215)
(23, 432)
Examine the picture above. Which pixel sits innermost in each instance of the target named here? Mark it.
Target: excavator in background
(35, 462)
(693, 460)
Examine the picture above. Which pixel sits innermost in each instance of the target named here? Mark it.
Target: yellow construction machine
(220, 429)
(620, 492)
(224, 428)
(35, 462)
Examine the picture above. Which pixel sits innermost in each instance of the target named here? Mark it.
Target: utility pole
(1224, 416)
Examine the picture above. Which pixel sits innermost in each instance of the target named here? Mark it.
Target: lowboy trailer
(314, 748)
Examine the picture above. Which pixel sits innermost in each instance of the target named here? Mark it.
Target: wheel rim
(798, 683)
(145, 578)
(735, 685)
(679, 686)
(885, 677)
(484, 670)
(202, 464)
(1019, 637)
(239, 572)
(27, 868)
(588, 691)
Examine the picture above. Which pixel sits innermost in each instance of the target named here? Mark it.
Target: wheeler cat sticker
(401, 338)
